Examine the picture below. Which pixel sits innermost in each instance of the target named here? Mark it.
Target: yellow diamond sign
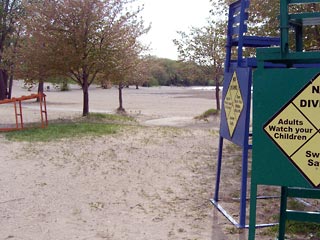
(233, 104)
(295, 129)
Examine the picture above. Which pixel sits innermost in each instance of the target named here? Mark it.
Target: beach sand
(151, 180)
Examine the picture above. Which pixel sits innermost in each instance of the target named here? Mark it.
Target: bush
(64, 85)
(153, 83)
(61, 83)
(211, 83)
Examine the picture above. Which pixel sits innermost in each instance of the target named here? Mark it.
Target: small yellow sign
(295, 129)
(233, 104)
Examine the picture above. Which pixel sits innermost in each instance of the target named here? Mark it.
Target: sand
(151, 180)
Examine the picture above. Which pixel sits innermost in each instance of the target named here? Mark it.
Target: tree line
(97, 41)
(82, 40)
(168, 72)
(205, 45)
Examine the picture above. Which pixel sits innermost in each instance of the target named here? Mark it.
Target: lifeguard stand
(236, 98)
(286, 119)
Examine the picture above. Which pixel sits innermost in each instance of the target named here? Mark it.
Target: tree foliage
(10, 12)
(81, 39)
(205, 47)
(167, 72)
(264, 19)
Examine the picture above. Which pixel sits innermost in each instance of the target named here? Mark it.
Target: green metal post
(253, 208)
(284, 27)
(283, 216)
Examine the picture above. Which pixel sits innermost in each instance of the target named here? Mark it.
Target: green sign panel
(286, 125)
(295, 130)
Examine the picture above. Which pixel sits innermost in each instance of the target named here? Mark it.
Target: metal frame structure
(17, 104)
(242, 66)
(292, 185)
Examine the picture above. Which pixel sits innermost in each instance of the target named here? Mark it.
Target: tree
(35, 58)
(120, 72)
(127, 56)
(10, 11)
(192, 74)
(205, 47)
(83, 38)
(264, 20)
(166, 72)
(140, 74)
(158, 71)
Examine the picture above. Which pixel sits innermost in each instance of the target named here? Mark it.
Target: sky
(169, 16)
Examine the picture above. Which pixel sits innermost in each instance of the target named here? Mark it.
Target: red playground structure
(17, 105)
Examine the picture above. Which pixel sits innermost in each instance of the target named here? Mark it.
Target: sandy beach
(151, 180)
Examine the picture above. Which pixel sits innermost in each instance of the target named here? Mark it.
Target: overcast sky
(169, 16)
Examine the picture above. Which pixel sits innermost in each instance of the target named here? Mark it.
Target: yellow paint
(287, 129)
(233, 104)
(307, 160)
(295, 129)
(308, 102)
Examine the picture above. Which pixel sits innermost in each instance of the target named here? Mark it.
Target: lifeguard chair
(236, 99)
(281, 162)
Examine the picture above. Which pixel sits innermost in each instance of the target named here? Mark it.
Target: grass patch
(233, 148)
(70, 129)
(297, 228)
(95, 124)
(303, 228)
(102, 117)
(208, 113)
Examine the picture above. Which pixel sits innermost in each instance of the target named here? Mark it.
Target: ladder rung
(303, 193)
(303, 216)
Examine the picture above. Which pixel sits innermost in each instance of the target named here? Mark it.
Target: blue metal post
(218, 176)
(245, 149)
(243, 196)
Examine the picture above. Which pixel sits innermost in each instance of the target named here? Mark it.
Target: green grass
(95, 124)
(109, 117)
(297, 228)
(57, 131)
(208, 113)
(303, 228)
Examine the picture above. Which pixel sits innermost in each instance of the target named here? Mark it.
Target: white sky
(169, 16)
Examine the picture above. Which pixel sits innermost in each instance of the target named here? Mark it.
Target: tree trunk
(40, 88)
(217, 93)
(10, 86)
(3, 85)
(85, 89)
(120, 109)
(12, 68)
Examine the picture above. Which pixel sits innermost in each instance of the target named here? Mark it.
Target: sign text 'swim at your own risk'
(295, 129)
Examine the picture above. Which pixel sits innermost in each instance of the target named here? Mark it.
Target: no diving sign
(295, 129)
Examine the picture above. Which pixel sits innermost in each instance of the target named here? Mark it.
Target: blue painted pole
(218, 176)
(243, 197)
